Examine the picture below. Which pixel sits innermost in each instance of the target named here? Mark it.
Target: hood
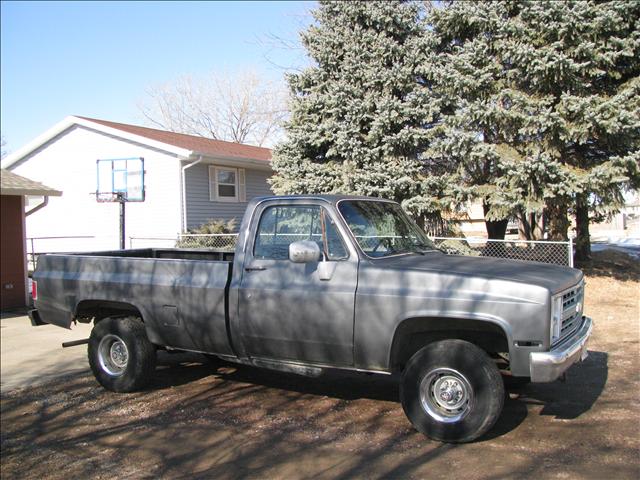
(554, 278)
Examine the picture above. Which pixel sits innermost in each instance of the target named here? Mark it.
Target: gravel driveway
(240, 422)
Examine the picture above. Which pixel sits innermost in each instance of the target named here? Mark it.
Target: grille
(572, 304)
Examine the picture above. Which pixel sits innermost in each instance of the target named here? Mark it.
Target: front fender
(420, 321)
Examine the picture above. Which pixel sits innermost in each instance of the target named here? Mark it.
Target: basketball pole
(121, 201)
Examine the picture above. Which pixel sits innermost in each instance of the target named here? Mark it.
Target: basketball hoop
(110, 197)
(120, 180)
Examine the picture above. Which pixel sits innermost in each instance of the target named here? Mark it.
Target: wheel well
(414, 333)
(97, 310)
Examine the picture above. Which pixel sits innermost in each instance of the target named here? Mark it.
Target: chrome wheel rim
(446, 395)
(113, 355)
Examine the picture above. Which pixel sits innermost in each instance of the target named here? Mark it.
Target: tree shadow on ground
(564, 399)
(237, 421)
(613, 264)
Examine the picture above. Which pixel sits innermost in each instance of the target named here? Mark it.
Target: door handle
(254, 269)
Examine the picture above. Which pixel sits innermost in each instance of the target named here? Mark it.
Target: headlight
(556, 318)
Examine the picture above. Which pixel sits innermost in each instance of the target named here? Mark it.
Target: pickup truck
(329, 282)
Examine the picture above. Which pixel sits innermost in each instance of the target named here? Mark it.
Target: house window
(226, 184)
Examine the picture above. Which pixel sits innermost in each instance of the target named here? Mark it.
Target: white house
(187, 181)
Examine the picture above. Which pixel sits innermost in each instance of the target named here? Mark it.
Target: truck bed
(181, 294)
(172, 253)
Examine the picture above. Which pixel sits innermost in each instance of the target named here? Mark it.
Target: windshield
(382, 228)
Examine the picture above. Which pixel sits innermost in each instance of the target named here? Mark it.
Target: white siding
(68, 163)
(200, 208)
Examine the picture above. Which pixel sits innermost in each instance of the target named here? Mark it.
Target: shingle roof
(201, 145)
(13, 184)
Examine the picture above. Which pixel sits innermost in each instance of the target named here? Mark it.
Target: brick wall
(12, 254)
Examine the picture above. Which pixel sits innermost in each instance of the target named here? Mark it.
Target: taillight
(34, 289)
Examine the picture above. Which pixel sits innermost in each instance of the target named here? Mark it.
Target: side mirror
(304, 251)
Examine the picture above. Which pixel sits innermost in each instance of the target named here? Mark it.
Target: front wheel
(120, 355)
(452, 391)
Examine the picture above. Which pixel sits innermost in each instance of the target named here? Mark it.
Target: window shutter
(242, 188)
(213, 184)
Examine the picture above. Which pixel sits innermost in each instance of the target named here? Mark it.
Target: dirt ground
(238, 422)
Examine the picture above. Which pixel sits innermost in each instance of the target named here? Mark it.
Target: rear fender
(96, 310)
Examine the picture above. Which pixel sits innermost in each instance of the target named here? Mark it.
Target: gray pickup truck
(329, 282)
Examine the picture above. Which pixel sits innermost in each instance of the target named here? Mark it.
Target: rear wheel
(452, 391)
(120, 355)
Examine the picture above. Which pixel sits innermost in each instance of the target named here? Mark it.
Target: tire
(120, 355)
(472, 391)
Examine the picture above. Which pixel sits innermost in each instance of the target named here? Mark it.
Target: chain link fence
(557, 253)
(37, 246)
(217, 241)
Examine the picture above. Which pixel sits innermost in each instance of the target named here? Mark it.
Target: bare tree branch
(241, 107)
(3, 152)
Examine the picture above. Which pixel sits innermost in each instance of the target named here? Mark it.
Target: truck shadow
(179, 368)
(563, 399)
(576, 395)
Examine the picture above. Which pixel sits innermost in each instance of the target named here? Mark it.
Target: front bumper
(548, 366)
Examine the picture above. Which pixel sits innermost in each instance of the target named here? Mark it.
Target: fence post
(33, 257)
(571, 252)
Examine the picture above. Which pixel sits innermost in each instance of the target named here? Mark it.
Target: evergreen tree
(360, 116)
(531, 107)
(541, 103)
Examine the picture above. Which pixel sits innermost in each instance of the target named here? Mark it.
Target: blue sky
(96, 58)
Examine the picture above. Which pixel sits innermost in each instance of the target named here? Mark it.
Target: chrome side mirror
(304, 251)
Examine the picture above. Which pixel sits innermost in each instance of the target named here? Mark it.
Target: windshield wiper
(424, 248)
(411, 249)
(419, 248)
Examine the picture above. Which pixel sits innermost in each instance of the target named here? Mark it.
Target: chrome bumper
(548, 366)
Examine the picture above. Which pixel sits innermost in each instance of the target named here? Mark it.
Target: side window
(281, 226)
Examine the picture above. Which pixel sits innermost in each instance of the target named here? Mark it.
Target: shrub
(213, 226)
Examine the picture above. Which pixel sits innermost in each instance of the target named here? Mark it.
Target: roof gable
(179, 144)
(198, 145)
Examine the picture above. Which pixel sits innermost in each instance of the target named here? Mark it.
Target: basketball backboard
(120, 178)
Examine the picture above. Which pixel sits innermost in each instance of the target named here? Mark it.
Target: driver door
(287, 311)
